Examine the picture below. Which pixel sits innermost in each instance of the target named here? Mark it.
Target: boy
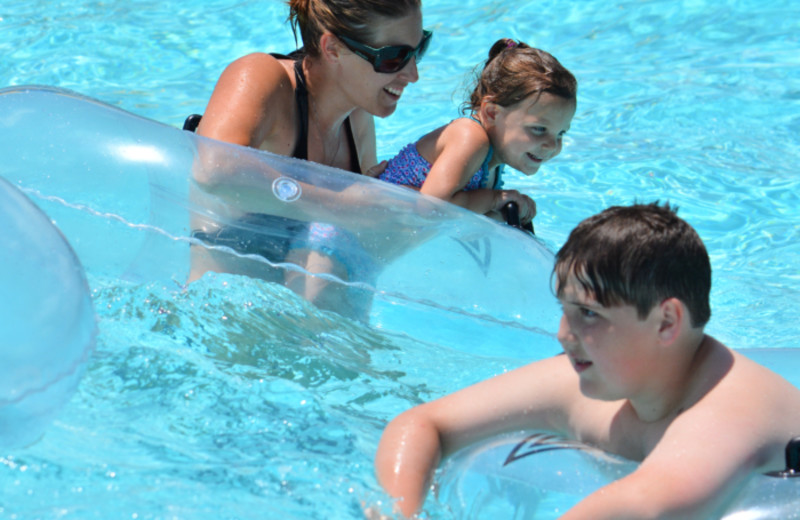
(639, 379)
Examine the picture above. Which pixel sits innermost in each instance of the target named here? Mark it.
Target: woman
(318, 104)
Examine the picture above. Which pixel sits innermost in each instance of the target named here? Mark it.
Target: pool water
(235, 400)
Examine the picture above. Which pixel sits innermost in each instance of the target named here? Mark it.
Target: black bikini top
(301, 97)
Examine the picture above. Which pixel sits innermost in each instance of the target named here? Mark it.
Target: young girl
(520, 109)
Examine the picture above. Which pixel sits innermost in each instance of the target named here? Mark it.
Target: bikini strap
(498, 182)
(301, 97)
(355, 165)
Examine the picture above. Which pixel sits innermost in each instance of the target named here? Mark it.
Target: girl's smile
(530, 132)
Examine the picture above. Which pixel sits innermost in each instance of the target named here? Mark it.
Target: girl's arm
(458, 151)
(455, 154)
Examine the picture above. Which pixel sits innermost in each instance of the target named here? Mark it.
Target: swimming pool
(277, 414)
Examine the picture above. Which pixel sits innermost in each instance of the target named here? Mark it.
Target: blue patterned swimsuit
(409, 168)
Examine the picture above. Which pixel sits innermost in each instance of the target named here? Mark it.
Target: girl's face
(527, 134)
(378, 92)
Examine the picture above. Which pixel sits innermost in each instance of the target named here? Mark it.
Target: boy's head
(638, 255)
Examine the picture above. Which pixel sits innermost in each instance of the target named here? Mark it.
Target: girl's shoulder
(466, 128)
(465, 132)
(461, 137)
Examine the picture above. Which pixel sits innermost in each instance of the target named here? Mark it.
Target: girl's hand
(527, 206)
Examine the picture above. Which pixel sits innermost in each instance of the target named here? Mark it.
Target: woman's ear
(329, 47)
(672, 316)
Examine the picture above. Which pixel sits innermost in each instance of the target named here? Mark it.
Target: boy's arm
(534, 396)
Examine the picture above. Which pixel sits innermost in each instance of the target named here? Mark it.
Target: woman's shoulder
(260, 68)
(239, 108)
(260, 80)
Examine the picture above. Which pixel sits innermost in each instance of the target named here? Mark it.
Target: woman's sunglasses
(391, 58)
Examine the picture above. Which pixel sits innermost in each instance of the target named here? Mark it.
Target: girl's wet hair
(352, 18)
(638, 255)
(515, 71)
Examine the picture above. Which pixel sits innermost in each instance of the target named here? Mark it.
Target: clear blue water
(276, 412)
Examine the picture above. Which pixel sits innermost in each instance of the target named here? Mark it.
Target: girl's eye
(587, 313)
(538, 130)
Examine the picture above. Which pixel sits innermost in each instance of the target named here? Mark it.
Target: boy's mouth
(580, 364)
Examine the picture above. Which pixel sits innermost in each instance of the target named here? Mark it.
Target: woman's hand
(376, 170)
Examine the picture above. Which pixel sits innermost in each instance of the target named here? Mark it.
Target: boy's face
(612, 350)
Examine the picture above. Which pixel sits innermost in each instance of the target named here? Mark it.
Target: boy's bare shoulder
(744, 404)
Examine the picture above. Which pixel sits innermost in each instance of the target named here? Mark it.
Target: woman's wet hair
(352, 18)
(515, 71)
(638, 255)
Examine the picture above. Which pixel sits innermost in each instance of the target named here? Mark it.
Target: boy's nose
(565, 335)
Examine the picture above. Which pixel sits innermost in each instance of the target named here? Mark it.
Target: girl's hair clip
(511, 44)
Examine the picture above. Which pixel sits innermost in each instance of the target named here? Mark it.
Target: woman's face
(376, 92)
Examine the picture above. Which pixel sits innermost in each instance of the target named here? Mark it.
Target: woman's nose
(410, 71)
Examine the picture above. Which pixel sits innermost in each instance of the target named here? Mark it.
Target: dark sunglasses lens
(393, 60)
(423, 45)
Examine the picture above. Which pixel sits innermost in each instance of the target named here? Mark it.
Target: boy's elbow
(411, 426)
(408, 452)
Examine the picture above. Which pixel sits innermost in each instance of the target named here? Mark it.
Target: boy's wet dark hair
(638, 255)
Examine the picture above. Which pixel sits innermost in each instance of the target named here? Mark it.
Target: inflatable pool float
(138, 200)
(47, 322)
(540, 476)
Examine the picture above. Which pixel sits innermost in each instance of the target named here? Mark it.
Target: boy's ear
(673, 314)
